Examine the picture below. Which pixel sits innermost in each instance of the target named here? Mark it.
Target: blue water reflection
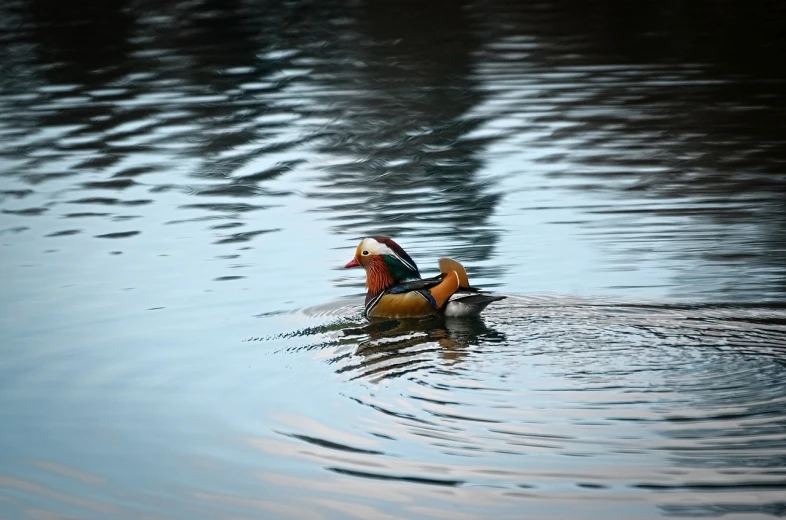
(180, 185)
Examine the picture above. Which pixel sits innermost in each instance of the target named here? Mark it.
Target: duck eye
(365, 253)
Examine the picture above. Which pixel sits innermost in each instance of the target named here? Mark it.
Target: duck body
(396, 289)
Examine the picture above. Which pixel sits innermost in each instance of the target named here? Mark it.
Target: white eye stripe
(372, 246)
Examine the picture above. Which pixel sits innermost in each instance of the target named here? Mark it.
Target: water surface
(181, 184)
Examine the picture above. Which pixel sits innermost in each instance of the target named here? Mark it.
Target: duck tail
(448, 265)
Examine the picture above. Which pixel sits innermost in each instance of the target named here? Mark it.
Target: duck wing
(436, 290)
(416, 285)
(415, 298)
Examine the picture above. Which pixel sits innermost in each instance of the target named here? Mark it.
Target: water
(181, 184)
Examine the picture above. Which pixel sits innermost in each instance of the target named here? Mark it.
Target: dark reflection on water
(452, 126)
(217, 161)
(409, 160)
(689, 133)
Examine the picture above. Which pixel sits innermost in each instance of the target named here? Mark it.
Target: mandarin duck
(396, 290)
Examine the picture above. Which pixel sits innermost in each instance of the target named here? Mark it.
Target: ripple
(119, 234)
(109, 201)
(18, 194)
(228, 278)
(245, 236)
(226, 207)
(118, 184)
(84, 214)
(228, 225)
(694, 390)
(64, 233)
(135, 171)
(27, 212)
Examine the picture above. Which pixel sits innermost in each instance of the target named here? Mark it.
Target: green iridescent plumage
(399, 271)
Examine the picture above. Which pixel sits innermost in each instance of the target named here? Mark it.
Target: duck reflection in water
(393, 348)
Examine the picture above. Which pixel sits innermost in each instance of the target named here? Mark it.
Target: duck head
(385, 262)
